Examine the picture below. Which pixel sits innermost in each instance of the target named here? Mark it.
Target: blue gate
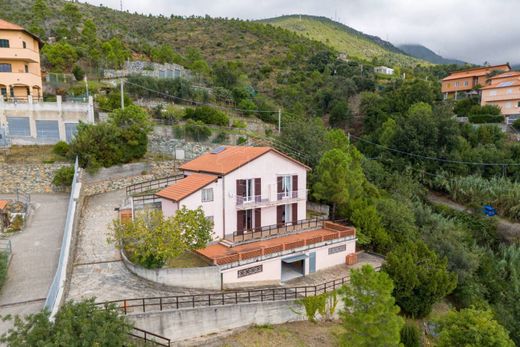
(312, 262)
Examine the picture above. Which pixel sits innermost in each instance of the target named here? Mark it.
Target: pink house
(256, 198)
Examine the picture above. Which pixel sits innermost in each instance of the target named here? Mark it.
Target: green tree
(340, 115)
(76, 324)
(164, 54)
(196, 229)
(410, 336)
(115, 53)
(421, 278)
(472, 328)
(61, 56)
(370, 317)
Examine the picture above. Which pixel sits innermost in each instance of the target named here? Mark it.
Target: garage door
(70, 131)
(47, 130)
(18, 126)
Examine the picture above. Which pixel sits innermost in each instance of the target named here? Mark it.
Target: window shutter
(241, 190)
(240, 222)
(258, 189)
(294, 213)
(258, 218)
(295, 186)
(279, 187)
(279, 214)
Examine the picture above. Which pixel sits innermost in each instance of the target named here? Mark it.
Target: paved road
(35, 257)
(98, 270)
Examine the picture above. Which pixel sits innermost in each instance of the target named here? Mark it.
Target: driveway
(35, 256)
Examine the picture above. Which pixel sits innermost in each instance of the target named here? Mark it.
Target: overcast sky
(471, 30)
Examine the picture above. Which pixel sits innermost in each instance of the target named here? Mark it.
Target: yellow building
(20, 71)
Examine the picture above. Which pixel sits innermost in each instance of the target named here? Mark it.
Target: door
(47, 131)
(312, 262)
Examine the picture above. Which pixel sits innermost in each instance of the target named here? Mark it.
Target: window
(5, 67)
(287, 214)
(24, 44)
(3, 91)
(26, 68)
(248, 219)
(466, 83)
(493, 92)
(286, 186)
(249, 192)
(18, 126)
(518, 105)
(510, 91)
(207, 195)
(457, 84)
(4, 43)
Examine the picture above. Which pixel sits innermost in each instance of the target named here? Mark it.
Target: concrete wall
(270, 275)
(190, 323)
(201, 277)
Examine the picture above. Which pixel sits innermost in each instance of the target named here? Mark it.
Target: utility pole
(279, 121)
(86, 86)
(122, 95)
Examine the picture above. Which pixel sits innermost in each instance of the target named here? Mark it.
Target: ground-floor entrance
(293, 267)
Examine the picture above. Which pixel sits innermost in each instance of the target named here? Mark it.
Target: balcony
(22, 54)
(258, 201)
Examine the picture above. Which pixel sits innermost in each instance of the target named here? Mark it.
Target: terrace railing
(152, 185)
(148, 338)
(277, 199)
(153, 304)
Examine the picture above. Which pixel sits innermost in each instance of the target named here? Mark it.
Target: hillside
(422, 52)
(345, 39)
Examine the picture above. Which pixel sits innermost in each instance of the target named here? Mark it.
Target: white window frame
(288, 214)
(250, 190)
(286, 186)
(207, 195)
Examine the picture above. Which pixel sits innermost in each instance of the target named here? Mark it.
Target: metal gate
(18, 126)
(70, 131)
(47, 130)
(3, 138)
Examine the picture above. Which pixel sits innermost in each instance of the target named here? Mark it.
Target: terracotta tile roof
(220, 254)
(5, 25)
(230, 159)
(476, 72)
(3, 204)
(186, 186)
(506, 75)
(503, 84)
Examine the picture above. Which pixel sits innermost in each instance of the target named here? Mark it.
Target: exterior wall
(168, 207)
(324, 260)
(58, 111)
(18, 57)
(458, 85)
(271, 274)
(211, 209)
(507, 99)
(267, 167)
(200, 277)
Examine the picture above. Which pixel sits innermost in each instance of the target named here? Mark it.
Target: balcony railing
(247, 202)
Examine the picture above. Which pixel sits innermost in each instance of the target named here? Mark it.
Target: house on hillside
(24, 118)
(20, 71)
(256, 198)
(465, 81)
(384, 70)
(504, 92)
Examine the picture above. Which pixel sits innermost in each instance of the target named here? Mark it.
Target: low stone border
(199, 277)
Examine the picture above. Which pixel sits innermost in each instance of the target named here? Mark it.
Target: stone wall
(28, 178)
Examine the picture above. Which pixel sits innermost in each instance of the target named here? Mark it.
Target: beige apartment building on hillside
(20, 71)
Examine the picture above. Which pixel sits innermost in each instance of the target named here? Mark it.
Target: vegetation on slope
(345, 39)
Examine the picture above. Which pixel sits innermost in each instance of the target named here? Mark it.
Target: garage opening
(293, 267)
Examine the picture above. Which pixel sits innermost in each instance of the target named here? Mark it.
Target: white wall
(272, 273)
(324, 260)
(168, 207)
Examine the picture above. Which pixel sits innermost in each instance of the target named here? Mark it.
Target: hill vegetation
(424, 53)
(346, 39)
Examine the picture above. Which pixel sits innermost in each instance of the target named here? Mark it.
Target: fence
(55, 294)
(142, 305)
(5, 247)
(149, 338)
(153, 185)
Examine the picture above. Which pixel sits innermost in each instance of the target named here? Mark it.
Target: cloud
(474, 31)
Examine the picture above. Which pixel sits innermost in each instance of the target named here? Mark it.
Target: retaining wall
(29, 178)
(201, 277)
(191, 323)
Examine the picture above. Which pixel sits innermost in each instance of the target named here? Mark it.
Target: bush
(16, 224)
(241, 140)
(462, 108)
(63, 176)
(78, 73)
(222, 137)
(247, 107)
(410, 336)
(197, 131)
(486, 109)
(485, 118)
(207, 115)
(237, 123)
(516, 124)
(4, 257)
(61, 148)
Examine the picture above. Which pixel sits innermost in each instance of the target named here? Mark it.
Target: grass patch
(35, 154)
(4, 258)
(187, 260)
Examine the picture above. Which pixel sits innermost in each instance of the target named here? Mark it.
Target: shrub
(237, 123)
(410, 336)
(4, 258)
(241, 140)
(222, 137)
(207, 115)
(516, 124)
(246, 106)
(78, 73)
(61, 148)
(462, 108)
(63, 176)
(485, 118)
(16, 224)
(197, 131)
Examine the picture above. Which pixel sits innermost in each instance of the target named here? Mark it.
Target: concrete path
(35, 257)
(98, 270)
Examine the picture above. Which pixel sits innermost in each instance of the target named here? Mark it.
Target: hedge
(207, 115)
(486, 118)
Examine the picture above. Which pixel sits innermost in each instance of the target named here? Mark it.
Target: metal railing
(55, 294)
(152, 185)
(153, 304)
(6, 247)
(281, 198)
(149, 338)
(277, 229)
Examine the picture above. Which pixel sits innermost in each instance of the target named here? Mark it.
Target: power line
(434, 158)
(198, 102)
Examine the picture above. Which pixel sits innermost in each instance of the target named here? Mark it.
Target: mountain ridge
(422, 52)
